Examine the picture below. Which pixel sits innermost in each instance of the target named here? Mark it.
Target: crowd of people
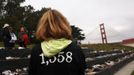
(10, 38)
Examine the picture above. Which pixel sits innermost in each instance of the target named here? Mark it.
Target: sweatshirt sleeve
(33, 61)
(82, 62)
(80, 58)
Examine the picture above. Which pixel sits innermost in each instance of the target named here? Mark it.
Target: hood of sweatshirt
(54, 46)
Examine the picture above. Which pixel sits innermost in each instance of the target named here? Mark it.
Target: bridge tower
(103, 34)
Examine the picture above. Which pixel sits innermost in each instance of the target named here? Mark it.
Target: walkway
(126, 70)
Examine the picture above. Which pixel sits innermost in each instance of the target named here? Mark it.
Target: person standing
(6, 36)
(23, 38)
(13, 38)
(56, 54)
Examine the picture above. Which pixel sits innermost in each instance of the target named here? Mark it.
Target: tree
(32, 19)
(11, 12)
(10, 7)
(77, 34)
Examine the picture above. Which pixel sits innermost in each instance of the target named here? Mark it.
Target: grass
(107, 47)
(16, 45)
(1, 44)
(132, 73)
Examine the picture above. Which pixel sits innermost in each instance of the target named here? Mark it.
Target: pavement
(126, 70)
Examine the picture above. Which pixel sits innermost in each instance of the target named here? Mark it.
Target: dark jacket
(69, 61)
(6, 37)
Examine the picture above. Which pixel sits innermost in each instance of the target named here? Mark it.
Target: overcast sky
(117, 15)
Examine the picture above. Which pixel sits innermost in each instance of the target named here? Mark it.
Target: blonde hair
(53, 25)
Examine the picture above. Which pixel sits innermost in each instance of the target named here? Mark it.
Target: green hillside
(108, 47)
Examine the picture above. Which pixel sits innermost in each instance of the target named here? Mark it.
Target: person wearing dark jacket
(56, 54)
(6, 36)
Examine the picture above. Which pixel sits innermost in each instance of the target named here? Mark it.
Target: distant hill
(109, 47)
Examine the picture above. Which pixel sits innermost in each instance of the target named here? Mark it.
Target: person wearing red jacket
(23, 38)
